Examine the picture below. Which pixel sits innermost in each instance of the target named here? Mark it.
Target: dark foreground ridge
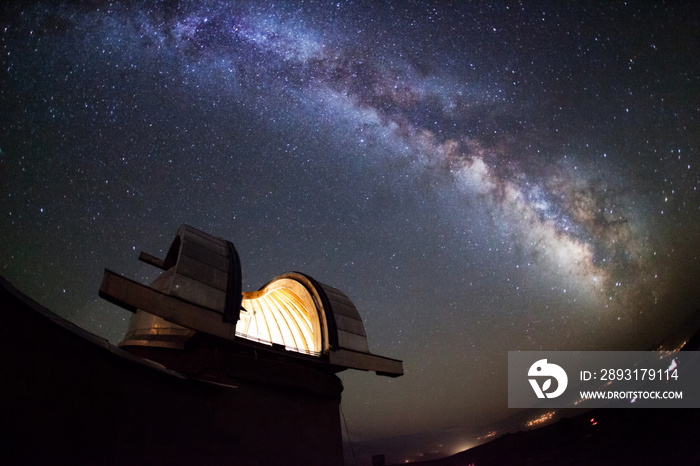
(600, 437)
(69, 397)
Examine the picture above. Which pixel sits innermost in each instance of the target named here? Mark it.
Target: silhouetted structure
(206, 374)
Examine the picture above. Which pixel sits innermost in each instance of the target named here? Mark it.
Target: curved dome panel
(283, 312)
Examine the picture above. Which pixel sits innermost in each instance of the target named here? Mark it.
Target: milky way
(476, 178)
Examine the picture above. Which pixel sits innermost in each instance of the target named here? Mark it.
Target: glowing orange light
(487, 435)
(283, 313)
(542, 419)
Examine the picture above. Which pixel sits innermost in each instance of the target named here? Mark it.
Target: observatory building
(199, 291)
(206, 374)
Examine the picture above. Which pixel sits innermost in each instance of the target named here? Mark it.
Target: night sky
(476, 178)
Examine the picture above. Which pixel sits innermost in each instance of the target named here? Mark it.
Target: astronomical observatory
(206, 374)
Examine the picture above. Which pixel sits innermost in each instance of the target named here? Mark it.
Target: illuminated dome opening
(284, 313)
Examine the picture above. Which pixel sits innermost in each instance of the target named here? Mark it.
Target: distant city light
(541, 420)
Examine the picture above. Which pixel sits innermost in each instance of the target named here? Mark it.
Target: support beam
(366, 362)
(132, 295)
(152, 260)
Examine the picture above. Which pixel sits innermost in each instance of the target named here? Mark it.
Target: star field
(476, 178)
